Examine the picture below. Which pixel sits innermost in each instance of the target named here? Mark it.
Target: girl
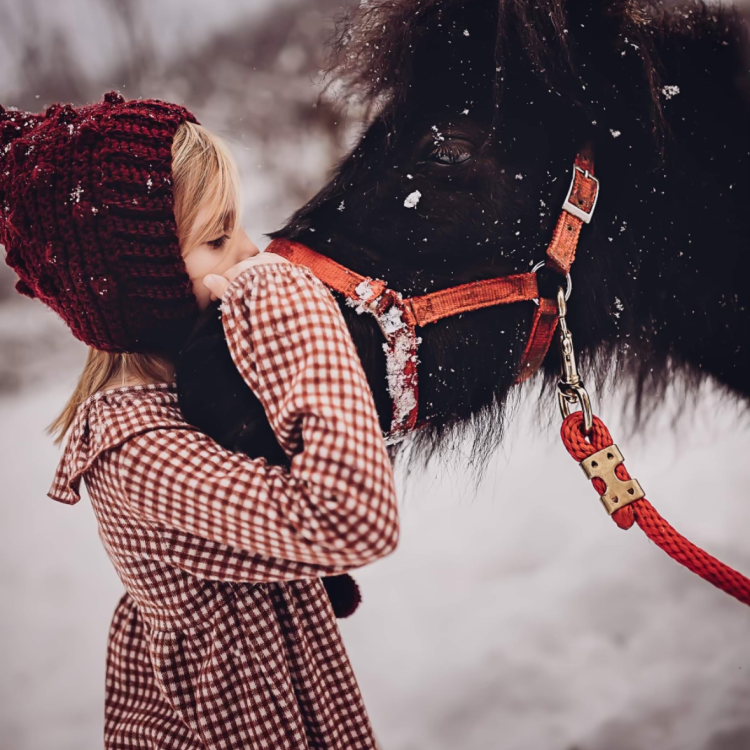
(123, 218)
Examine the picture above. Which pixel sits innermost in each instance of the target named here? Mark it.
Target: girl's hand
(217, 285)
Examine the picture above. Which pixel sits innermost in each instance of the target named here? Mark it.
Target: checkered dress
(225, 637)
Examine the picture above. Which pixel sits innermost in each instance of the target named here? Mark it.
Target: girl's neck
(126, 379)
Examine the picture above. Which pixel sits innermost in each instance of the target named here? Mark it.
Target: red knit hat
(87, 219)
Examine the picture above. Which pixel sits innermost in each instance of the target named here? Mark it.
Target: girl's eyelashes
(219, 242)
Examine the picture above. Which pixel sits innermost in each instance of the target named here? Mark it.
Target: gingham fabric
(225, 637)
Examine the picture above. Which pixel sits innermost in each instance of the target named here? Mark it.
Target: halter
(399, 317)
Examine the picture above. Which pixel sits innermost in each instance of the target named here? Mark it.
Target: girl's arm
(335, 508)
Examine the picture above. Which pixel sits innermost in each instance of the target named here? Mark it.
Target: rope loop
(580, 446)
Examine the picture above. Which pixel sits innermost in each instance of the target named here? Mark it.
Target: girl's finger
(216, 285)
(257, 260)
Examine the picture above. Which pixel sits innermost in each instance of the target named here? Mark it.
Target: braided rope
(644, 514)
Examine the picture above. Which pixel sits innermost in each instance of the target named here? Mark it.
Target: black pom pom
(344, 594)
(114, 97)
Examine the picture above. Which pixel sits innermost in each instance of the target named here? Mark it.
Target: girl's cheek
(199, 262)
(202, 294)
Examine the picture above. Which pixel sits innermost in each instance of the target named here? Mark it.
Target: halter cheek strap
(399, 317)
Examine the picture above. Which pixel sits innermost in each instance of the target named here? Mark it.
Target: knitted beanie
(87, 219)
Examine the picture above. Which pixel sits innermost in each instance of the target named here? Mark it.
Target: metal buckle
(576, 211)
(618, 493)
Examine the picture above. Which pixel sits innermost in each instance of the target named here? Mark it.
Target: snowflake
(466, 32)
(670, 91)
(615, 133)
(75, 196)
(341, 206)
(412, 199)
(519, 176)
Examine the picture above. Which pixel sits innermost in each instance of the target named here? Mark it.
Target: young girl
(123, 218)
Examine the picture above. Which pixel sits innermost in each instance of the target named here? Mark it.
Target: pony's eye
(450, 153)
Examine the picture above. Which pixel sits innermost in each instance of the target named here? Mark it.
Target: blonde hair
(205, 183)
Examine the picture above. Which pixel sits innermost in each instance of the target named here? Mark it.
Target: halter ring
(568, 281)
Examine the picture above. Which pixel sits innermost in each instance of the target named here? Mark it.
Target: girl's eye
(450, 153)
(218, 243)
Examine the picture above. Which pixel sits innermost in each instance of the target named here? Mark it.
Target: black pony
(481, 106)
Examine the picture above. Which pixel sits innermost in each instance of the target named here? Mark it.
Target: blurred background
(514, 617)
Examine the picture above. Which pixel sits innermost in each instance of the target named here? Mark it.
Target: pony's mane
(375, 46)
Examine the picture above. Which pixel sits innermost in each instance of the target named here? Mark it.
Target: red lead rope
(644, 514)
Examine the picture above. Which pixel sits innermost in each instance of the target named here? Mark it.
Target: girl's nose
(244, 247)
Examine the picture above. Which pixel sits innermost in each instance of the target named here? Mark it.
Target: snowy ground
(516, 619)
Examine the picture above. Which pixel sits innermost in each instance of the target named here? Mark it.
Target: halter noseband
(399, 317)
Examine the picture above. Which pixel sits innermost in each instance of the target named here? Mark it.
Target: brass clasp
(570, 389)
(617, 494)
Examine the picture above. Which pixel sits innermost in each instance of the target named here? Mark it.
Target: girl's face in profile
(215, 256)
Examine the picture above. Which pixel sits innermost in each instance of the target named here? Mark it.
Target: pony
(475, 111)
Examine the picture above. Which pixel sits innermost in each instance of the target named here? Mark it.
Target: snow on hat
(87, 219)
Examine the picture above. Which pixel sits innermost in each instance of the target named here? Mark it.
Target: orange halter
(399, 318)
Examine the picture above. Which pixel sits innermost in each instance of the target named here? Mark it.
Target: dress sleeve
(335, 507)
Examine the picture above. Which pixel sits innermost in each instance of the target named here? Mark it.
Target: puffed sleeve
(335, 507)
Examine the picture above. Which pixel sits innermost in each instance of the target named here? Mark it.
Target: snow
(390, 321)
(412, 199)
(670, 91)
(397, 357)
(364, 292)
(516, 618)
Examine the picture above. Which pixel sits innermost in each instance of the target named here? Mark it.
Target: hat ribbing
(87, 219)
